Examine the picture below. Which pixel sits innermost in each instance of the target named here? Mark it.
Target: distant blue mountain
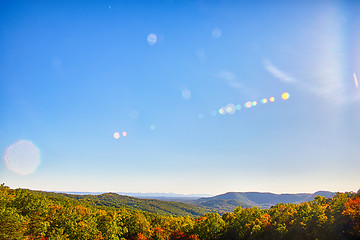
(228, 201)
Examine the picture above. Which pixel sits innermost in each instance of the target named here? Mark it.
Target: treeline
(147, 205)
(26, 214)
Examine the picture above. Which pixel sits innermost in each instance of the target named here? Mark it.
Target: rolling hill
(191, 206)
(228, 201)
(148, 205)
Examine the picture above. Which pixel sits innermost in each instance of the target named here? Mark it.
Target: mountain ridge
(171, 204)
(259, 199)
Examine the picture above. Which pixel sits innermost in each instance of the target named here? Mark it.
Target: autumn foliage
(26, 214)
(352, 213)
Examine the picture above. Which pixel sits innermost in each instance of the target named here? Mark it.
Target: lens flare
(248, 104)
(151, 39)
(22, 158)
(116, 135)
(152, 127)
(222, 111)
(285, 96)
(230, 108)
(124, 133)
(186, 94)
(216, 33)
(356, 81)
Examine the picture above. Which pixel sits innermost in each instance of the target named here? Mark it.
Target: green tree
(136, 224)
(110, 224)
(12, 224)
(210, 226)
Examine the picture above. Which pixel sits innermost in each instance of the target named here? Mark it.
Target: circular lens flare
(254, 103)
(116, 135)
(124, 133)
(230, 108)
(285, 96)
(151, 39)
(248, 104)
(263, 101)
(222, 111)
(272, 99)
(22, 158)
(216, 33)
(186, 94)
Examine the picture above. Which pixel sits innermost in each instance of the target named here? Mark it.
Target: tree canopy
(26, 214)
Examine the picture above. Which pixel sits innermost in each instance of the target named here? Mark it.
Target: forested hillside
(26, 214)
(229, 201)
(149, 205)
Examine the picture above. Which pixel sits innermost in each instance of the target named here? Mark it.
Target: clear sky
(176, 76)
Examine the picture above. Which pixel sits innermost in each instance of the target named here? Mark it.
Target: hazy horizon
(174, 194)
(180, 96)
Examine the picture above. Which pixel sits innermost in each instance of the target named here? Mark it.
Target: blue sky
(74, 73)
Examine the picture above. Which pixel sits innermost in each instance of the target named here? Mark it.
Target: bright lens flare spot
(272, 99)
(116, 135)
(248, 104)
(356, 81)
(124, 134)
(230, 108)
(222, 111)
(238, 107)
(151, 39)
(254, 103)
(186, 94)
(23, 157)
(285, 96)
(263, 101)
